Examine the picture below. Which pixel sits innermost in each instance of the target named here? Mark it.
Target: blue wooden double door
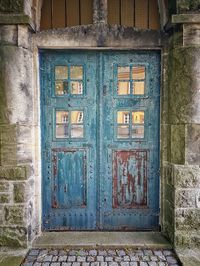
(100, 140)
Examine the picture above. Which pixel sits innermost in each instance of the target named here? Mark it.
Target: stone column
(16, 125)
(181, 129)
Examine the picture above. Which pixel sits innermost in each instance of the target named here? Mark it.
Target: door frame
(100, 49)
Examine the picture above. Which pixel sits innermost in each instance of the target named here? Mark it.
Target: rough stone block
(23, 36)
(188, 6)
(4, 186)
(191, 34)
(4, 198)
(14, 173)
(178, 144)
(187, 198)
(193, 144)
(187, 219)
(19, 192)
(186, 176)
(15, 215)
(8, 34)
(168, 174)
(13, 236)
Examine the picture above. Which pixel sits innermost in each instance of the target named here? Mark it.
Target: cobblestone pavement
(100, 257)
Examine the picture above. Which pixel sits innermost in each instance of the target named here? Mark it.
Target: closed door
(100, 140)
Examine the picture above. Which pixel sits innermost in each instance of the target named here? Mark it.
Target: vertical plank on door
(72, 13)
(153, 15)
(114, 11)
(141, 14)
(58, 13)
(86, 9)
(46, 15)
(127, 13)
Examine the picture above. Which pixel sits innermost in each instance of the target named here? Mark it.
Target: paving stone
(134, 258)
(81, 259)
(66, 264)
(167, 252)
(71, 258)
(112, 263)
(139, 253)
(145, 258)
(162, 258)
(46, 264)
(103, 264)
(133, 263)
(31, 258)
(148, 252)
(121, 252)
(37, 264)
(82, 253)
(34, 252)
(96, 263)
(76, 264)
(62, 252)
(158, 252)
(161, 263)
(126, 258)
(55, 264)
(102, 252)
(43, 252)
(154, 258)
(152, 263)
(90, 259)
(53, 252)
(72, 252)
(118, 259)
(171, 260)
(125, 263)
(85, 264)
(48, 258)
(28, 264)
(143, 263)
(62, 258)
(55, 258)
(112, 252)
(93, 252)
(100, 258)
(107, 258)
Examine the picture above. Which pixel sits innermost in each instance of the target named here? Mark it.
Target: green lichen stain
(11, 260)
(19, 193)
(188, 6)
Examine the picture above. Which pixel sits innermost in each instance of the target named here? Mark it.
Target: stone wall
(16, 137)
(181, 136)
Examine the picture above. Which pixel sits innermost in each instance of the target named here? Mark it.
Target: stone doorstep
(101, 239)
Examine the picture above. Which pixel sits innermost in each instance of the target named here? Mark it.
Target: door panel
(68, 82)
(100, 140)
(130, 144)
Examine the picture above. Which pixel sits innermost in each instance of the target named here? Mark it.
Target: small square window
(61, 72)
(138, 72)
(123, 73)
(76, 72)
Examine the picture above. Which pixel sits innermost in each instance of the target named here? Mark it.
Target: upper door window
(68, 80)
(131, 80)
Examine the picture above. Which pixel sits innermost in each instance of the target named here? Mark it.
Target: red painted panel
(130, 179)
